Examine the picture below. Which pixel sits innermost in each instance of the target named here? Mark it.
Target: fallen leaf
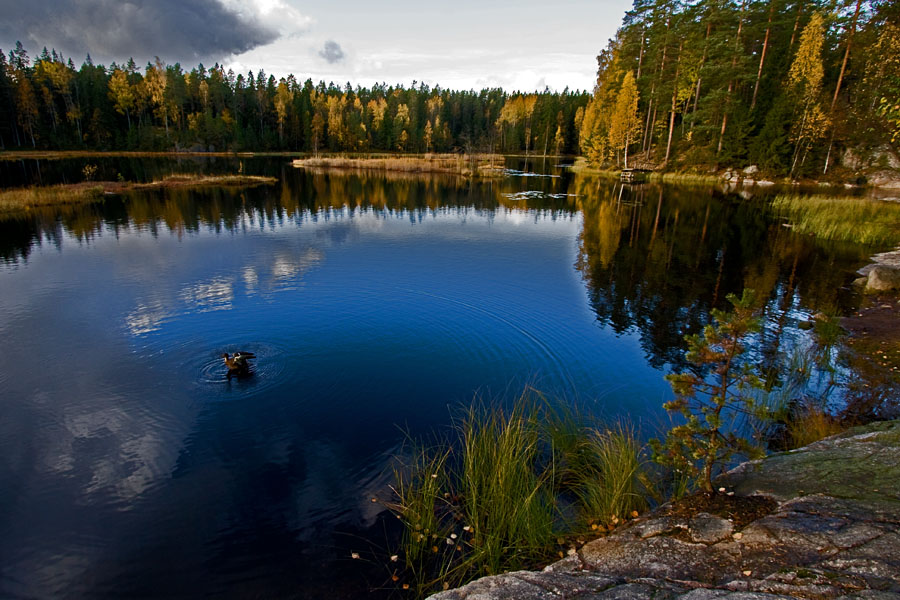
(354, 555)
(405, 586)
(737, 535)
(748, 573)
(394, 557)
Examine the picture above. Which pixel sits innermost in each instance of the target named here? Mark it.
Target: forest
(796, 88)
(788, 86)
(48, 103)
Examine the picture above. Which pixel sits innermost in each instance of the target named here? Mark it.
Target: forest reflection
(660, 258)
(655, 259)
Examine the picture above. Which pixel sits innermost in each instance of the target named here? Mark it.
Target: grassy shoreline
(475, 165)
(20, 200)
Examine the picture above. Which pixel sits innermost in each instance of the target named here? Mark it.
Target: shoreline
(22, 200)
(737, 178)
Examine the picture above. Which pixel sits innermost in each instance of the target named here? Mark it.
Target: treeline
(788, 86)
(49, 103)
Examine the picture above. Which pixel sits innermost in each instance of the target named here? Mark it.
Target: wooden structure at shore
(634, 175)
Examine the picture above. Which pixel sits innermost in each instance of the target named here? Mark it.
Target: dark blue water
(130, 466)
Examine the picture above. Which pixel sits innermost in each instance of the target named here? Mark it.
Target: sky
(465, 44)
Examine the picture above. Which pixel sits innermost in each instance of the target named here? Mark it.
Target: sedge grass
(811, 425)
(510, 489)
(859, 220)
(615, 484)
(454, 164)
(24, 199)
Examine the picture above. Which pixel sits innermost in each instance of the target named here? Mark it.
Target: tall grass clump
(859, 220)
(511, 489)
(615, 484)
(506, 484)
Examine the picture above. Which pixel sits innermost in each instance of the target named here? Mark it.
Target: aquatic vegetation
(475, 165)
(511, 489)
(23, 199)
(811, 424)
(859, 220)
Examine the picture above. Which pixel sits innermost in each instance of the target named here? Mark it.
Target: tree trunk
(737, 45)
(796, 26)
(837, 88)
(699, 77)
(640, 56)
(762, 57)
(674, 100)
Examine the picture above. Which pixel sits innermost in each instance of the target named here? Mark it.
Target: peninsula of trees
(788, 86)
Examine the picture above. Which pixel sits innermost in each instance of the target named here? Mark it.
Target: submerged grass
(859, 220)
(512, 489)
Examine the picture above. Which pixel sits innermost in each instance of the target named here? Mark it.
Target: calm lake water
(377, 305)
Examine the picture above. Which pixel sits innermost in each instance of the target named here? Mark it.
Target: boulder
(751, 171)
(883, 278)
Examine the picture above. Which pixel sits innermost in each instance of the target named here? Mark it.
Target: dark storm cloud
(332, 52)
(176, 30)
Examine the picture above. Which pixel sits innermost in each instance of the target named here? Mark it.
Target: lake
(377, 305)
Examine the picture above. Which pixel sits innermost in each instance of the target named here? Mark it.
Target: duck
(238, 363)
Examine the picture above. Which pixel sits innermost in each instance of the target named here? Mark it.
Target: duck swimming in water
(238, 363)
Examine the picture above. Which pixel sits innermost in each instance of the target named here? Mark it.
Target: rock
(833, 533)
(705, 528)
(751, 171)
(883, 278)
(885, 179)
(861, 281)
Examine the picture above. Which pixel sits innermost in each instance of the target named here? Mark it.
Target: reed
(479, 165)
(859, 220)
(511, 489)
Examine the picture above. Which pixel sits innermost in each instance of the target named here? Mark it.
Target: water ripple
(272, 366)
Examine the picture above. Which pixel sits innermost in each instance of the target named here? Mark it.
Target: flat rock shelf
(833, 531)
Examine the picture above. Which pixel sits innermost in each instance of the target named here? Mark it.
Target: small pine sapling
(712, 404)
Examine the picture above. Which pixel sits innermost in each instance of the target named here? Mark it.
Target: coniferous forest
(796, 88)
(49, 103)
(788, 86)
